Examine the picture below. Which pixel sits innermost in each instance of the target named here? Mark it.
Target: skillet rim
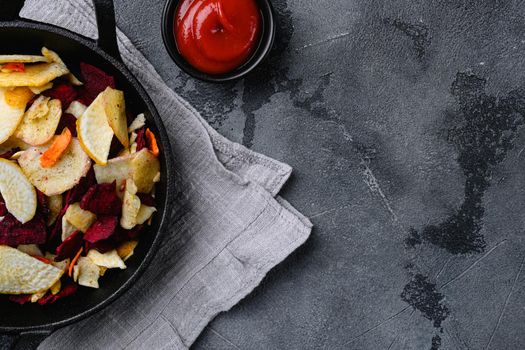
(165, 143)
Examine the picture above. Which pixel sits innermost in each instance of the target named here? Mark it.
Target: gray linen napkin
(231, 232)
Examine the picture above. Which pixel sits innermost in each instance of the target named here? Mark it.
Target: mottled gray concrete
(404, 122)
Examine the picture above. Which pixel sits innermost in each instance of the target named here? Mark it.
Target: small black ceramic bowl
(263, 48)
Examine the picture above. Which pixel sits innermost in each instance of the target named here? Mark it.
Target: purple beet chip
(102, 200)
(69, 247)
(14, 233)
(103, 228)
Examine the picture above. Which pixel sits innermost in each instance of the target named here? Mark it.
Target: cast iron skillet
(27, 325)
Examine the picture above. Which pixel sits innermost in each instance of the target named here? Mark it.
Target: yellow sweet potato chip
(52, 56)
(22, 59)
(126, 249)
(34, 75)
(115, 108)
(10, 116)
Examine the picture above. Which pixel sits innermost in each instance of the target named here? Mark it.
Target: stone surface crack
(327, 211)
(504, 307)
(372, 183)
(324, 41)
(377, 325)
(464, 272)
(443, 268)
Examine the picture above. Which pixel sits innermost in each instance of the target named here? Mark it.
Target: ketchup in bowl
(217, 36)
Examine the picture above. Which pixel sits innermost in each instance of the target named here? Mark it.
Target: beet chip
(76, 193)
(95, 81)
(102, 200)
(20, 299)
(3, 208)
(66, 291)
(69, 247)
(63, 92)
(42, 204)
(103, 228)
(14, 233)
(141, 139)
(68, 121)
(72, 196)
(9, 154)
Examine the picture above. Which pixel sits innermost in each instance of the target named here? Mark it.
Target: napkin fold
(231, 230)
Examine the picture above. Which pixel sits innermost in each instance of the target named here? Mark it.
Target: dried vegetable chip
(30, 249)
(69, 247)
(63, 92)
(22, 58)
(14, 233)
(12, 107)
(130, 206)
(18, 193)
(110, 260)
(102, 200)
(78, 217)
(126, 249)
(34, 75)
(65, 292)
(76, 109)
(88, 273)
(102, 229)
(64, 175)
(36, 129)
(23, 274)
(94, 132)
(95, 81)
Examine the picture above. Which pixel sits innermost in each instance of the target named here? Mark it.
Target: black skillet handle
(23, 341)
(107, 27)
(106, 23)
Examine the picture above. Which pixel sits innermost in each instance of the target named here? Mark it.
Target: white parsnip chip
(40, 122)
(30, 249)
(88, 272)
(66, 173)
(110, 260)
(23, 274)
(79, 218)
(130, 206)
(12, 107)
(18, 192)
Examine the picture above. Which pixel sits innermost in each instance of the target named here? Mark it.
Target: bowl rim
(263, 50)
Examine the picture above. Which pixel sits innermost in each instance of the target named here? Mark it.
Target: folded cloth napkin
(231, 231)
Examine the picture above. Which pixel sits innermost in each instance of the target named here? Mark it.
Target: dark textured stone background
(404, 124)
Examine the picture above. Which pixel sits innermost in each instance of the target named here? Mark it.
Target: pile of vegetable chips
(77, 177)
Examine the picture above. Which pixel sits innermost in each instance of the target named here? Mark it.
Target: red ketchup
(217, 36)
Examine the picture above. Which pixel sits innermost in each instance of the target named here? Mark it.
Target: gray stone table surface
(404, 123)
